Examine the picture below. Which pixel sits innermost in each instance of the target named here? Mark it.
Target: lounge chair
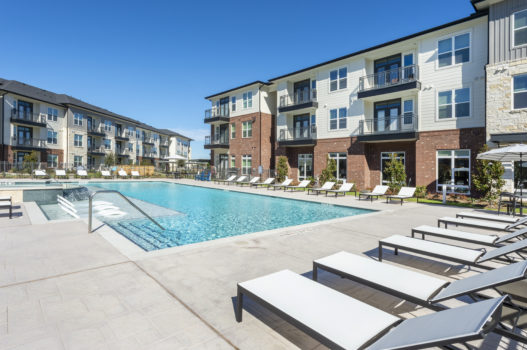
(40, 173)
(135, 173)
(220, 181)
(341, 322)
(286, 182)
(404, 193)
(106, 173)
(266, 183)
(425, 290)
(7, 204)
(486, 216)
(238, 180)
(326, 187)
(466, 256)
(342, 190)
(60, 173)
(82, 173)
(122, 174)
(377, 192)
(462, 236)
(249, 183)
(482, 224)
(301, 186)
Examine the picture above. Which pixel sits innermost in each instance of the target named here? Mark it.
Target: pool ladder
(90, 199)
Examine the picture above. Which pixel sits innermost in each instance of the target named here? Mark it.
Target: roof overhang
(257, 82)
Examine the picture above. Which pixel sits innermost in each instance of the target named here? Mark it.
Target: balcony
(149, 155)
(28, 118)
(148, 141)
(28, 143)
(300, 100)
(164, 143)
(396, 128)
(122, 135)
(395, 80)
(123, 152)
(96, 130)
(216, 142)
(97, 151)
(214, 115)
(296, 137)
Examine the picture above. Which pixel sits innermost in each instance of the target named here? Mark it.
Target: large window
(519, 32)
(387, 157)
(233, 161)
(338, 79)
(248, 99)
(77, 161)
(454, 50)
(77, 140)
(520, 91)
(338, 119)
(453, 103)
(520, 175)
(233, 103)
(233, 131)
(340, 159)
(247, 129)
(52, 114)
(247, 163)
(53, 160)
(453, 169)
(107, 143)
(305, 166)
(52, 137)
(77, 119)
(107, 125)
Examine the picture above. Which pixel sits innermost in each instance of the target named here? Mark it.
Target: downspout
(3, 126)
(260, 114)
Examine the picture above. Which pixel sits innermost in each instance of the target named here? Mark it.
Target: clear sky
(156, 60)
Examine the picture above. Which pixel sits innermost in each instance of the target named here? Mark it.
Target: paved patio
(61, 288)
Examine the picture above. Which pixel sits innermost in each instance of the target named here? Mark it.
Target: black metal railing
(216, 140)
(294, 134)
(28, 142)
(298, 98)
(29, 116)
(387, 125)
(388, 78)
(97, 149)
(216, 112)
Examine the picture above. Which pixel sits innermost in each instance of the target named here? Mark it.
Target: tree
(282, 169)
(109, 160)
(330, 172)
(395, 173)
(30, 161)
(180, 163)
(488, 178)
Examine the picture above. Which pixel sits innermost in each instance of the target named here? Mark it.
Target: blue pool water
(207, 214)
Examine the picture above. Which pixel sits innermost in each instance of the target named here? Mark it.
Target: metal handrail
(390, 77)
(125, 198)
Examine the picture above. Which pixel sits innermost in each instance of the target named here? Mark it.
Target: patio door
(386, 117)
(305, 166)
(24, 135)
(301, 126)
(301, 90)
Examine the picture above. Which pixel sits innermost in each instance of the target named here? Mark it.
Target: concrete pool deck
(62, 288)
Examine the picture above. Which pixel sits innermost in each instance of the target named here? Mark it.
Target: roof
(173, 133)
(239, 87)
(36, 93)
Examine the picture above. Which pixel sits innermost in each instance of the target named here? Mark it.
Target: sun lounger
(40, 173)
(106, 173)
(486, 216)
(482, 224)
(286, 182)
(404, 193)
(60, 172)
(267, 182)
(238, 180)
(248, 183)
(377, 192)
(466, 256)
(122, 174)
(135, 174)
(82, 173)
(5, 198)
(301, 186)
(477, 238)
(326, 187)
(231, 178)
(342, 190)
(342, 322)
(7, 204)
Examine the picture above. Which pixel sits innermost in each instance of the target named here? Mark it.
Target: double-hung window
(519, 91)
(338, 79)
(246, 164)
(53, 114)
(77, 119)
(233, 103)
(338, 119)
(53, 160)
(233, 161)
(247, 129)
(233, 131)
(248, 99)
(77, 140)
(77, 161)
(453, 50)
(453, 103)
(107, 125)
(519, 31)
(52, 137)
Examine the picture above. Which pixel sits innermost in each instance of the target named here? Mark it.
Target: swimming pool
(209, 214)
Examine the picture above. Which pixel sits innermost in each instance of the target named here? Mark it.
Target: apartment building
(64, 130)
(420, 98)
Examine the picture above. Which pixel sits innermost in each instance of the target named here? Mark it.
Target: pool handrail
(125, 198)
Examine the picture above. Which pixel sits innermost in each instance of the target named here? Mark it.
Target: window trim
(390, 153)
(337, 161)
(512, 92)
(54, 164)
(453, 157)
(245, 132)
(232, 131)
(453, 104)
(452, 38)
(233, 103)
(53, 133)
(338, 109)
(246, 157)
(514, 30)
(78, 121)
(54, 117)
(339, 89)
(75, 143)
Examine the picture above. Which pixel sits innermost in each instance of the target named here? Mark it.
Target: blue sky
(156, 60)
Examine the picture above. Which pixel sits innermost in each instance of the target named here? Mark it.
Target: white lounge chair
(249, 183)
(40, 173)
(135, 174)
(268, 182)
(404, 193)
(377, 192)
(462, 236)
(60, 173)
(482, 224)
(301, 186)
(342, 322)
(238, 180)
(326, 187)
(106, 173)
(342, 190)
(487, 216)
(230, 179)
(82, 173)
(7, 204)
(286, 182)
(122, 174)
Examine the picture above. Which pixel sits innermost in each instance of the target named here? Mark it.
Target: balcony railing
(148, 140)
(298, 98)
(389, 78)
(149, 155)
(123, 152)
(216, 113)
(28, 142)
(216, 140)
(122, 134)
(27, 116)
(297, 134)
(164, 142)
(388, 125)
(95, 149)
(96, 129)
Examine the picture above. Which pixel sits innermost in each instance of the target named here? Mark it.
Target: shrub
(30, 161)
(329, 173)
(282, 169)
(109, 160)
(488, 178)
(420, 191)
(395, 173)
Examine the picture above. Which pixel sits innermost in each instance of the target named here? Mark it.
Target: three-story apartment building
(64, 130)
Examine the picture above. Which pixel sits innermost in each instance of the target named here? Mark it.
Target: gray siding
(500, 31)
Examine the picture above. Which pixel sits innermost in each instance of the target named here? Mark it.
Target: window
(53, 114)
(458, 108)
(453, 169)
(408, 111)
(137, 149)
(248, 99)
(52, 137)
(107, 143)
(520, 91)
(107, 125)
(137, 134)
(246, 164)
(305, 166)
(313, 120)
(77, 119)
(233, 161)
(385, 158)
(156, 137)
(77, 161)
(456, 48)
(53, 161)
(233, 131)
(338, 79)
(519, 32)
(77, 140)
(233, 103)
(340, 159)
(247, 129)
(520, 175)
(130, 147)
(338, 119)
